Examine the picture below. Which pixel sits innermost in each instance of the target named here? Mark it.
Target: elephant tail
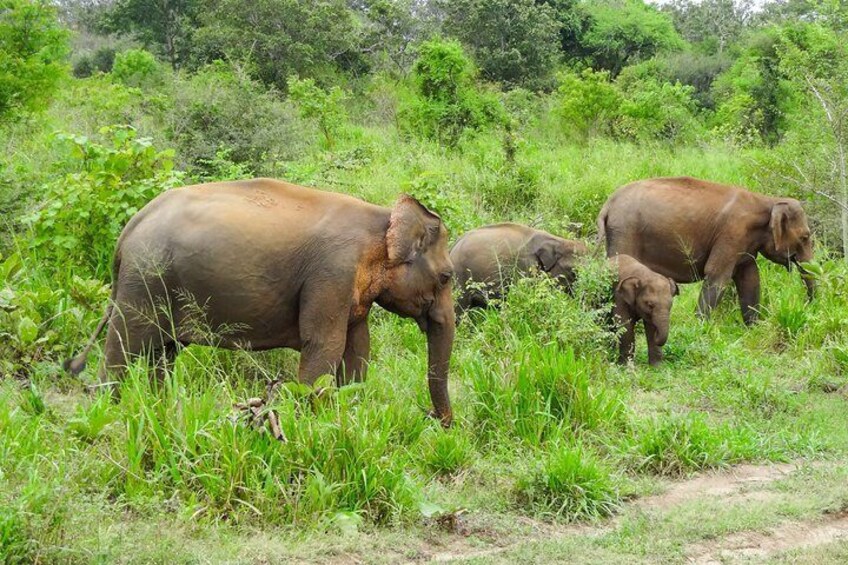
(75, 365)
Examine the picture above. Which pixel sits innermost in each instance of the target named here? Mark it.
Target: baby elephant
(641, 294)
(486, 259)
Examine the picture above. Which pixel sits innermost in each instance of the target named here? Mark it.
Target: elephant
(266, 264)
(691, 229)
(641, 294)
(490, 255)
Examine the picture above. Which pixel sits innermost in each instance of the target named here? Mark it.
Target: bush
(136, 67)
(85, 210)
(447, 103)
(588, 103)
(325, 106)
(101, 61)
(655, 109)
(219, 116)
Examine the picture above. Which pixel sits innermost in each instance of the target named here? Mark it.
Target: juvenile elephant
(268, 264)
(641, 294)
(491, 255)
(690, 229)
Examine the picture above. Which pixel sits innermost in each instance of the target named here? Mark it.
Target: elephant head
(558, 257)
(650, 297)
(417, 284)
(789, 239)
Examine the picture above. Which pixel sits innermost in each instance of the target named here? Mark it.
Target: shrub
(588, 103)
(655, 109)
(447, 103)
(220, 115)
(136, 67)
(325, 106)
(570, 483)
(85, 210)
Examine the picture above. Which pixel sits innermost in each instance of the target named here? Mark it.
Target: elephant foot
(262, 418)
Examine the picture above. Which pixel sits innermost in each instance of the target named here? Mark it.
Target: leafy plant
(86, 209)
(324, 106)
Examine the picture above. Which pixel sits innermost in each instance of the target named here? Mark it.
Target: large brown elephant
(690, 229)
(487, 258)
(267, 264)
(641, 294)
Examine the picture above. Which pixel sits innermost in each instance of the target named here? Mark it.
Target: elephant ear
(779, 219)
(412, 229)
(628, 288)
(675, 290)
(548, 253)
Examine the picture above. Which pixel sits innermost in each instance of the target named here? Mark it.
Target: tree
(391, 29)
(712, 23)
(816, 60)
(279, 38)
(514, 41)
(32, 47)
(162, 25)
(621, 32)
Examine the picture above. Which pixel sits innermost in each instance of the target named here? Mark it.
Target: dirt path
(762, 545)
(735, 485)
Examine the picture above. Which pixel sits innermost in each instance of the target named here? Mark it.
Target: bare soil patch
(761, 545)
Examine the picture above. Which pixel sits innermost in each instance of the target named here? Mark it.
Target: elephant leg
(655, 354)
(626, 343)
(747, 279)
(356, 354)
(323, 332)
(716, 276)
(130, 337)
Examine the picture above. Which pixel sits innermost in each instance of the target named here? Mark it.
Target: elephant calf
(491, 255)
(270, 264)
(641, 294)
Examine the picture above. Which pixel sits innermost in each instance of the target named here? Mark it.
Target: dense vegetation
(485, 110)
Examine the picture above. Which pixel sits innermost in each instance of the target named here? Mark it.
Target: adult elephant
(267, 264)
(690, 229)
(487, 258)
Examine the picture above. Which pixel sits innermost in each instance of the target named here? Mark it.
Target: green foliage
(622, 32)
(588, 103)
(279, 38)
(219, 119)
(655, 109)
(447, 102)
(100, 61)
(135, 67)
(324, 106)
(515, 42)
(32, 46)
(571, 483)
(753, 97)
(86, 209)
(165, 27)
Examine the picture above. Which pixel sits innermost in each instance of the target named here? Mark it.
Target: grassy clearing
(547, 428)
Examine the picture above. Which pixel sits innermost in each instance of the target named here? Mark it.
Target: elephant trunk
(810, 283)
(440, 332)
(661, 329)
